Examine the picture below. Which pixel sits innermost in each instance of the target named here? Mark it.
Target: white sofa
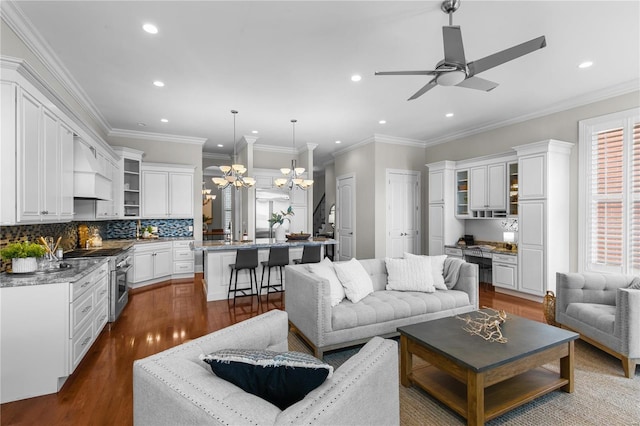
(326, 328)
(175, 387)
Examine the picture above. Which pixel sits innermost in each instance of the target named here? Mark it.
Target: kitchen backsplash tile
(117, 229)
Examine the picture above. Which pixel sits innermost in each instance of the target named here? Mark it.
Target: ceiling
(277, 61)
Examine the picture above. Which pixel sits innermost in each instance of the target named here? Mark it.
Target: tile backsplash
(116, 229)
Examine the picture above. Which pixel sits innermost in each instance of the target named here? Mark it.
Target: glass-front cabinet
(130, 160)
(462, 193)
(512, 170)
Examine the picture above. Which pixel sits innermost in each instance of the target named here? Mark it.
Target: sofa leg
(629, 367)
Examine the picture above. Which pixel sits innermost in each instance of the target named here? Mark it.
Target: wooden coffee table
(481, 380)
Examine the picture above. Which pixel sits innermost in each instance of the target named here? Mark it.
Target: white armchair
(604, 311)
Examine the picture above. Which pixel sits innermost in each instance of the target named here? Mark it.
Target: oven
(120, 267)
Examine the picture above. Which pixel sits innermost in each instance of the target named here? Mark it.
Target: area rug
(602, 396)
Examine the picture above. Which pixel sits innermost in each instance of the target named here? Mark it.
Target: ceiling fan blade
(405, 72)
(478, 84)
(430, 85)
(488, 62)
(453, 48)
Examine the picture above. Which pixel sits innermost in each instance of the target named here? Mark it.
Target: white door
(181, 195)
(346, 216)
(403, 207)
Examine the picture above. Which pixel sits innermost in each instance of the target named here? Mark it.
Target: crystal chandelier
(233, 174)
(292, 175)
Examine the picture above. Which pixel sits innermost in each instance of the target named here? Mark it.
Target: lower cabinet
(46, 330)
(505, 271)
(158, 261)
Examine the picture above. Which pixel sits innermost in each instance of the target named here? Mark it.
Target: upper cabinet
(35, 169)
(167, 191)
(487, 188)
(129, 181)
(462, 193)
(512, 178)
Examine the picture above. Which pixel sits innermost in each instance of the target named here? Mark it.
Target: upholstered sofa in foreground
(604, 311)
(308, 303)
(175, 387)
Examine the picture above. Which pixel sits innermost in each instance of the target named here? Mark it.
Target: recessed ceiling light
(338, 141)
(585, 64)
(382, 122)
(158, 83)
(449, 115)
(164, 120)
(220, 145)
(356, 77)
(150, 28)
(254, 131)
(141, 124)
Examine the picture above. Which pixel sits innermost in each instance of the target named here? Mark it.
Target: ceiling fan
(454, 70)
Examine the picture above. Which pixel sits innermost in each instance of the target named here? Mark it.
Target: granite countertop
(259, 243)
(486, 248)
(127, 243)
(79, 268)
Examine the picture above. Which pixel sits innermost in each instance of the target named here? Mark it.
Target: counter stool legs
(278, 257)
(245, 259)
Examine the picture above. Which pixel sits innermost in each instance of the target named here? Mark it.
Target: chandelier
(233, 174)
(207, 196)
(292, 175)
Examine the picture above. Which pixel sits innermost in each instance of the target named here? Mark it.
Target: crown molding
(25, 30)
(576, 102)
(276, 149)
(159, 137)
(380, 138)
(215, 156)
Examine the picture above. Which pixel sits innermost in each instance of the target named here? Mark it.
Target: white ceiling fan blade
(478, 84)
(430, 85)
(499, 58)
(453, 47)
(405, 72)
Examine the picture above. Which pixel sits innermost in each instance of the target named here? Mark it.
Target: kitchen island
(218, 255)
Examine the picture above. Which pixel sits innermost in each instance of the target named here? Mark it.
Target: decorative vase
(22, 265)
(549, 306)
(280, 234)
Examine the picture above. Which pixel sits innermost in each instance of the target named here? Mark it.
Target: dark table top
(447, 337)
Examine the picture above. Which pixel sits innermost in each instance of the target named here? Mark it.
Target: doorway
(403, 207)
(346, 216)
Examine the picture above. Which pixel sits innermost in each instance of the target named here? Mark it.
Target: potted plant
(279, 218)
(23, 256)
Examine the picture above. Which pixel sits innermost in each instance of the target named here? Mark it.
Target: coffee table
(481, 380)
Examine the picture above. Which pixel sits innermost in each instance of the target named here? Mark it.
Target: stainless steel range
(120, 263)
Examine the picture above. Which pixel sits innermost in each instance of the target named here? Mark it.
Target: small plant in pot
(23, 255)
(279, 218)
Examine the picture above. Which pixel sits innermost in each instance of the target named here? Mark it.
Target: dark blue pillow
(282, 378)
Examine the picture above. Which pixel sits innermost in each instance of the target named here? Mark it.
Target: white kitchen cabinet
(505, 271)
(128, 200)
(152, 261)
(34, 165)
(167, 191)
(444, 226)
(183, 259)
(462, 193)
(46, 330)
(543, 214)
(109, 209)
(488, 187)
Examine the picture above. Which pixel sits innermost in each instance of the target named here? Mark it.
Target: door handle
(350, 233)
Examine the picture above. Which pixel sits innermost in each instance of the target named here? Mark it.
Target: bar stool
(245, 259)
(278, 257)
(310, 254)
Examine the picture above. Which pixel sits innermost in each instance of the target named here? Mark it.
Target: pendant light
(233, 174)
(292, 175)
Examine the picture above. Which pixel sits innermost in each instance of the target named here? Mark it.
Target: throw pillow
(325, 270)
(437, 268)
(355, 280)
(635, 283)
(409, 274)
(282, 378)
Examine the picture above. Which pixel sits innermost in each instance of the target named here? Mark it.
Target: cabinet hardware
(85, 284)
(86, 341)
(85, 310)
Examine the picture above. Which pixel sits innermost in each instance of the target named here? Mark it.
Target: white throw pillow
(411, 274)
(355, 280)
(325, 270)
(437, 268)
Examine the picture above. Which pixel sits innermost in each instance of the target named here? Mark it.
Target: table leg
(475, 398)
(406, 361)
(566, 368)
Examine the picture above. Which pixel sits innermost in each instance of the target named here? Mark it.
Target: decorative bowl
(298, 237)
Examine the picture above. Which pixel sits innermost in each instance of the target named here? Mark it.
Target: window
(226, 207)
(609, 212)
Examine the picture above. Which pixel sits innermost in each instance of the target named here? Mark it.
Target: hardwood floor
(100, 390)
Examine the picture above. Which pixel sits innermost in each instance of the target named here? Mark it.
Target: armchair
(604, 311)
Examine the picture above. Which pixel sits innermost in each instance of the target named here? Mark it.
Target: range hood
(88, 181)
